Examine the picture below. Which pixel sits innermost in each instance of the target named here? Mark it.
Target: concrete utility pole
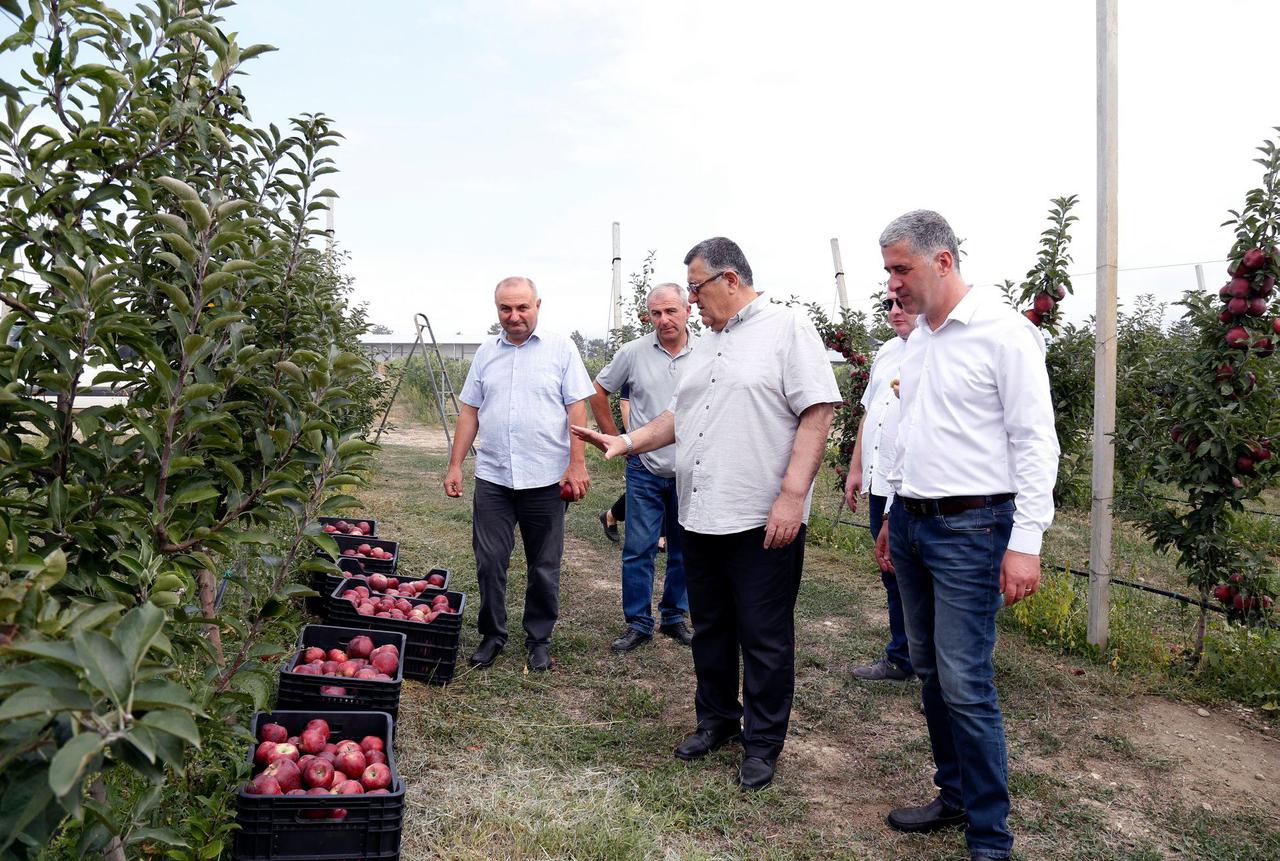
(841, 293)
(615, 299)
(1104, 359)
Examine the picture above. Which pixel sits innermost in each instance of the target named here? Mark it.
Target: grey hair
(513, 281)
(926, 231)
(678, 289)
(721, 255)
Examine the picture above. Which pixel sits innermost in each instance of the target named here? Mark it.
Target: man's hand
(784, 521)
(612, 446)
(883, 557)
(853, 488)
(577, 478)
(453, 481)
(1019, 576)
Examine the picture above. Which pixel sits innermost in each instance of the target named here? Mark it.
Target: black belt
(948, 504)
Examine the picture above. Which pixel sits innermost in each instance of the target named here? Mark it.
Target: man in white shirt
(749, 420)
(976, 431)
(523, 389)
(873, 452)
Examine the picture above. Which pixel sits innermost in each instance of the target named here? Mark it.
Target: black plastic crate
(303, 691)
(277, 827)
(371, 565)
(323, 582)
(431, 650)
(373, 524)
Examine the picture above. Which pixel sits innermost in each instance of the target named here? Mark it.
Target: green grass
(577, 764)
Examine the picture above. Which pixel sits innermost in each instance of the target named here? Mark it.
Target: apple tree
(1212, 439)
(154, 240)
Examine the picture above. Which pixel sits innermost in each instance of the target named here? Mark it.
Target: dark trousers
(539, 512)
(743, 598)
(897, 651)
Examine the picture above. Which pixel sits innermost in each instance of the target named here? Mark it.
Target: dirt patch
(1219, 761)
(405, 430)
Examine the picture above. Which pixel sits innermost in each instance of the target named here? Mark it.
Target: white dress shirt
(737, 407)
(880, 430)
(521, 392)
(977, 418)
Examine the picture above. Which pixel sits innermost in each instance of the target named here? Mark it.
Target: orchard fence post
(1104, 361)
(615, 298)
(841, 292)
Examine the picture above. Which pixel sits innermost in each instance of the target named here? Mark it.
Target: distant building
(390, 348)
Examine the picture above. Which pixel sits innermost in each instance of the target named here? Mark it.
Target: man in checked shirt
(976, 431)
(750, 419)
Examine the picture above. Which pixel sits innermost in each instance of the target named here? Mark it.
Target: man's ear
(945, 263)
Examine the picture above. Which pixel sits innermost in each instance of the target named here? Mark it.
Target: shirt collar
(688, 343)
(964, 311)
(751, 309)
(503, 339)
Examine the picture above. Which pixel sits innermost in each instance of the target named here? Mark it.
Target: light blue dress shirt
(521, 392)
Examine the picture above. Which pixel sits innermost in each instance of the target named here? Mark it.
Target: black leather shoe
(703, 740)
(630, 639)
(756, 772)
(610, 532)
(539, 659)
(933, 816)
(487, 652)
(679, 631)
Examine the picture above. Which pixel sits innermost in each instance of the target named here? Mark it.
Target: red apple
(435, 580)
(377, 582)
(566, 493)
(264, 784)
(286, 772)
(1264, 347)
(1253, 259)
(318, 773)
(332, 691)
(366, 526)
(330, 529)
(305, 670)
(349, 787)
(1236, 307)
(1222, 592)
(1225, 371)
(284, 750)
(373, 756)
(1239, 288)
(313, 741)
(1257, 307)
(272, 732)
(348, 552)
(1238, 336)
(351, 763)
(360, 647)
(366, 673)
(385, 663)
(320, 724)
(312, 654)
(262, 755)
(371, 742)
(1043, 303)
(376, 776)
(337, 655)
(338, 813)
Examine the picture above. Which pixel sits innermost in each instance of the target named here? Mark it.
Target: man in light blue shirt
(524, 388)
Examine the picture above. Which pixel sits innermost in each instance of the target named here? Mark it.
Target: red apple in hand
(566, 492)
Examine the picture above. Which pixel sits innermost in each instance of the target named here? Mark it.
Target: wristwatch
(626, 437)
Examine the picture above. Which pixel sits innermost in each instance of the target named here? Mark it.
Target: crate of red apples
(344, 669)
(324, 786)
(356, 526)
(431, 620)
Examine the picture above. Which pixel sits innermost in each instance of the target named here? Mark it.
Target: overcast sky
(485, 139)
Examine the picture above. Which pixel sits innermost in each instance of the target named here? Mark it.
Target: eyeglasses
(887, 304)
(694, 288)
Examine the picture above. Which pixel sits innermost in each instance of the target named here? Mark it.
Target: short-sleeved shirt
(651, 373)
(737, 408)
(880, 430)
(521, 392)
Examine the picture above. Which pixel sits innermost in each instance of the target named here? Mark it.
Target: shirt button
(695, 490)
(699, 434)
(719, 354)
(697, 462)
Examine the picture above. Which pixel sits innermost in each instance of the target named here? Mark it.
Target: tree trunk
(115, 848)
(208, 597)
(1198, 651)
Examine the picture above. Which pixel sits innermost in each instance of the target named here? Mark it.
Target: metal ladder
(440, 383)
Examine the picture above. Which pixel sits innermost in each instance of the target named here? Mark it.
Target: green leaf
(197, 492)
(174, 722)
(178, 187)
(105, 666)
(71, 760)
(39, 701)
(162, 693)
(136, 631)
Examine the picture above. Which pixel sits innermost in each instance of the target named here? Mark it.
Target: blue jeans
(651, 502)
(949, 576)
(896, 652)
